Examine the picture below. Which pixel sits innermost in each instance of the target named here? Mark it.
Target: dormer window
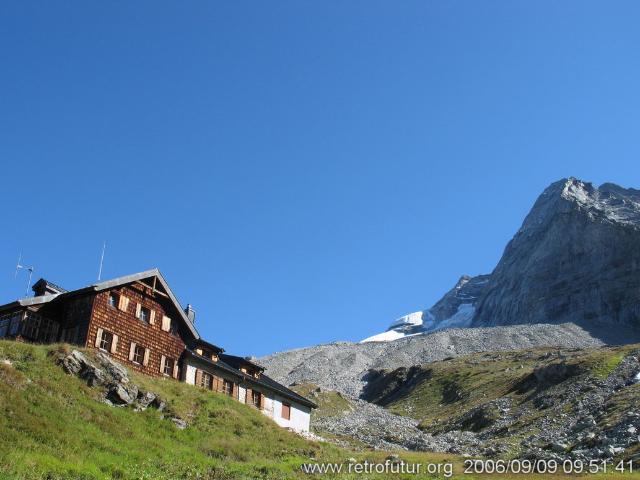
(114, 300)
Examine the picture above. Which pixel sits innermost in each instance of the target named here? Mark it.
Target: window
(15, 325)
(286, 411)
(138, 354)
(113, 301)
(168, 366)
(227, 387)
(145, 314)
(256, 398)
(4, 326)
(206, 381)
(106, 340)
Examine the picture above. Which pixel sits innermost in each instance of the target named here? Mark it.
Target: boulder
(113, 369)
(145, 399)
(122, 394)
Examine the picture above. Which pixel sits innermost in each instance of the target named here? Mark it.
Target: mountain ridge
(572, 260)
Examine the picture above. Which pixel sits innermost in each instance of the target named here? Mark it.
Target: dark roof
(238, 362)
(46, 284)
(220, 364)
(106, 285)
(206, 344)
(282, 390)
(264, 381)
(230, 363)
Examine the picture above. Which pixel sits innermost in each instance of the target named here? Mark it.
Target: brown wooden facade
(123, 320)
(137, 320)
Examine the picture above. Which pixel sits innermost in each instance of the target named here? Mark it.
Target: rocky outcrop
(565, 408)
(113, 380)
(575, 259)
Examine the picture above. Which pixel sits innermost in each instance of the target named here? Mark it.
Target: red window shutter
(198, 377)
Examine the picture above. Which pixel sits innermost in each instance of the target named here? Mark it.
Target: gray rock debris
(343, 366)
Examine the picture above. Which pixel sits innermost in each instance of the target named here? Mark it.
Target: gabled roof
(106, 285)
(154, 272)
(264, 381)
(238, 362)
(203, 343)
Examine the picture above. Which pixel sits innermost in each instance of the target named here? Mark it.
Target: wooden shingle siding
(122, 321)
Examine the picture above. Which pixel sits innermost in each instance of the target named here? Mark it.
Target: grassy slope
(330, 403)
(481, 377)
(52, 427)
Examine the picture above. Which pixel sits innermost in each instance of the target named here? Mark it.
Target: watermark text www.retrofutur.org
(388, 467)
(473, 467)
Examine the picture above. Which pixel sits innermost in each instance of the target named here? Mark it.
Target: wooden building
(138, 321)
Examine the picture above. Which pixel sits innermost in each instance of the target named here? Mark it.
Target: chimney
(191, 313)
(43, 287)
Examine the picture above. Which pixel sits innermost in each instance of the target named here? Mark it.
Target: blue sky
(301, 172)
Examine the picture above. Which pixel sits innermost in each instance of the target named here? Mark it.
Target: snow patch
(461, 319)
(413, 319)
(387, 336)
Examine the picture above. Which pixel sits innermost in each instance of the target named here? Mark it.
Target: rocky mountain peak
(574, 259)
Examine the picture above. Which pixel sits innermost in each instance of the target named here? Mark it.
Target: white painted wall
(190, 374)
(300, 415)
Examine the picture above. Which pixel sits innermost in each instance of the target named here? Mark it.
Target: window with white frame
(138, 354)
(106, 341)
(169, 364)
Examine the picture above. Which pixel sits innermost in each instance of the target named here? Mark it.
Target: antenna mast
(104, 247)
(30, 269)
